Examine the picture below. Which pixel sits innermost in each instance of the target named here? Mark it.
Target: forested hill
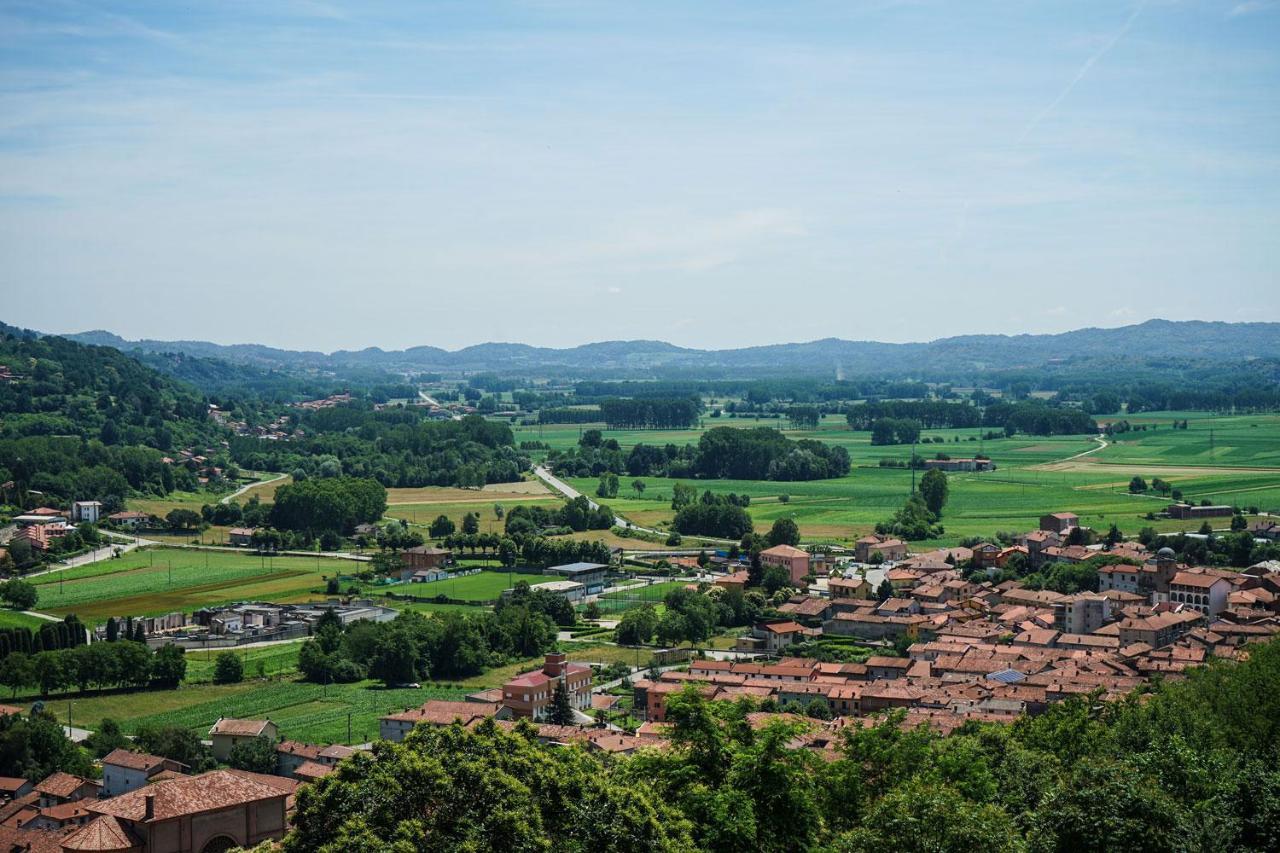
(1155, 339)
(88, 420)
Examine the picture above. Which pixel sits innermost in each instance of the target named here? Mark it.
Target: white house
(124, 771)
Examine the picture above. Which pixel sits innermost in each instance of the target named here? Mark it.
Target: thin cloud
(1082, 72)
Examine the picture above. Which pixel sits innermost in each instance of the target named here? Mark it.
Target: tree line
(441, 646)
(650, 413)
(125, 663)
(397, 447)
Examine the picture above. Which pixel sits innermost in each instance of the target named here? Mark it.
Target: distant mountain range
(1155, 339)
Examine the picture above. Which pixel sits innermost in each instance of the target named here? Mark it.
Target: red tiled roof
(239, 728)
(132, 760)
(218, 789)
(102, 834)
(60, 784)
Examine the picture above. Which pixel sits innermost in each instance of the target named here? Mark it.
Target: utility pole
(1211, 448)
(913, 466)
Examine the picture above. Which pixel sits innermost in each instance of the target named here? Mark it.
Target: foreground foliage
(1192, 766)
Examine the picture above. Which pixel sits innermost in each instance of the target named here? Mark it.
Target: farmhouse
(227, 733)
(425, 557)
(241, 537)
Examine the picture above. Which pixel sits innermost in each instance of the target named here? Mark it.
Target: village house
(435, 712)
(124, 771)
(888, 549)
(227, 733)
(130, 519)
(425, 557)
(86, 512)
(1059, 522)
(734, 580)
(241, 537)
(1205, 591)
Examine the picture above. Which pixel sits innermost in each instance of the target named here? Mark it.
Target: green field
(164, 580)
(17, 619)
(1035, 475)
(303, 711)
(485, 586)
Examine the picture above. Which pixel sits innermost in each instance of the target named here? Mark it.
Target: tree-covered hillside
(86, 421)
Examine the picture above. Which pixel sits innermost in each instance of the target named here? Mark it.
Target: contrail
(1080, 75)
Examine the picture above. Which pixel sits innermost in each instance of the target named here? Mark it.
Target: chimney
(150, 813)
(554, 665)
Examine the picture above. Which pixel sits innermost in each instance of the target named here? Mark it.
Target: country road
(570, 492)
(240, 491)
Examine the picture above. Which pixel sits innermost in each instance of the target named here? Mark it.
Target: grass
(275, 659)
(18, 619)
(1031, 479)
(303, 711)
(485, 586)
(164, 580)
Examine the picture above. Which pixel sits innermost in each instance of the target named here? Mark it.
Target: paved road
(104, 552)
(240, 491)
(570, 492)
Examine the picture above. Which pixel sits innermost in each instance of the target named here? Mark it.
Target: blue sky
(339, 175)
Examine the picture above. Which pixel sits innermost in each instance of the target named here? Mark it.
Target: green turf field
(163, 580)
(485, 586)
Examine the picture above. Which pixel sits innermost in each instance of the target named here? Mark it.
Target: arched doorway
(219, 844)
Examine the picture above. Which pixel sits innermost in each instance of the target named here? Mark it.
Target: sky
(324, 175)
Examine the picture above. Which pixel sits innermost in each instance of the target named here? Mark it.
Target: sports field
(1035, 475)
(163, 580)
(485, 586)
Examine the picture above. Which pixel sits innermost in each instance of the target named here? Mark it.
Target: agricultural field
(309, 712)
(421, 506)
(1034, 475)
(153, 581)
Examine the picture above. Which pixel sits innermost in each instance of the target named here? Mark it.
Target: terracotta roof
(1195, 579)
(293, 747)
(31, 841)
(60, 784)
(239, 728)
(788, 551)
(312, 770)
(218, 789)
(9, 784)
(133, 760)
(337, 752)
(783, 627)
(103, 833)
